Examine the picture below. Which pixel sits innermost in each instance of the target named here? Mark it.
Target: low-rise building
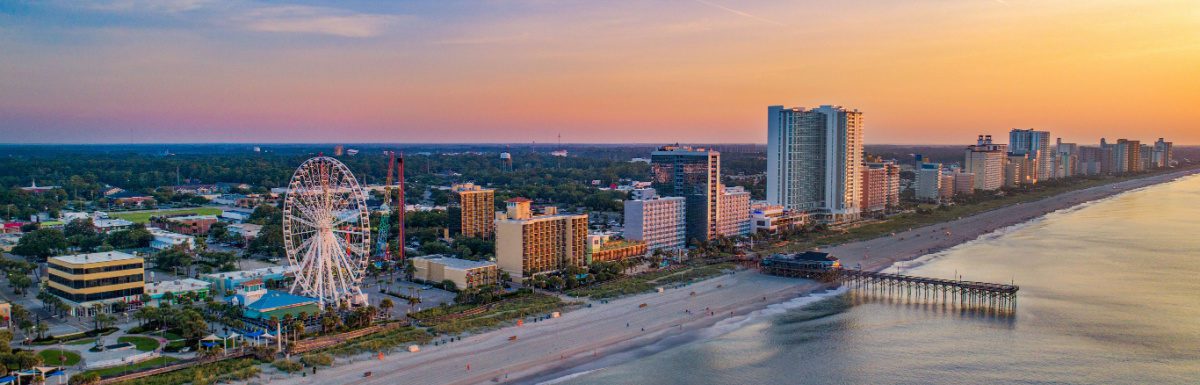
(165, 239)
(234, 280)
(105, 225)
(186, 224)
(195, 288)
(464, 273)
(247, 231)
(771, 219)
(605, 248)
(259, 303)
(105, 278)
(236, 215)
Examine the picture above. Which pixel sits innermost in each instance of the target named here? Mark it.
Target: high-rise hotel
(658, 221)
(695, 175)
(986, 160)
(528, 244)
(1036, 146)
(472, 211)
(814, 158)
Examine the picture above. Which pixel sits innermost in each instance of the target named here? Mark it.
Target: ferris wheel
(326, 232)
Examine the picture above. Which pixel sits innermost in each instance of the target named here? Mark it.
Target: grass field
(144, 216)
(144, 344)
(52, 357)
(647, 282)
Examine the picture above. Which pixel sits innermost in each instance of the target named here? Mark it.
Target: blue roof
(7, 379)
(278, 299)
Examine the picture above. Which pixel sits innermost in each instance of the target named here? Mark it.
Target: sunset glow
(594, 71)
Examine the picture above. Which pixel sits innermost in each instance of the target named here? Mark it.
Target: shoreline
(592, 337)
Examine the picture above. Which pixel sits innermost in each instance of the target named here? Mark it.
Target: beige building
(464, 273)
(527, 245)
(986, 160)
(472, 210)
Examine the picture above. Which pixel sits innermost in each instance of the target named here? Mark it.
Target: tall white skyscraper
(814, 160)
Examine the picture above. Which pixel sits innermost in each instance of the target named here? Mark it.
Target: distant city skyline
(701, 71)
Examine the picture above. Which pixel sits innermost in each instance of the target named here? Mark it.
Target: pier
(964, 294)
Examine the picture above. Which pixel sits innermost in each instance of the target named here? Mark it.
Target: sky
(516, 71)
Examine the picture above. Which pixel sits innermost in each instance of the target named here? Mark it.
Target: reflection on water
(1109, 294)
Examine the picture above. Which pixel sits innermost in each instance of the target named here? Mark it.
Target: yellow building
(464, 273)
(85, 280)
(472, 210)
(527, 245)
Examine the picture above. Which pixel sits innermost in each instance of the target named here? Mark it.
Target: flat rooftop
(107, 256)
(176, 286)
(111, 222)
(256, 273)
(456, 263)
(193, 218)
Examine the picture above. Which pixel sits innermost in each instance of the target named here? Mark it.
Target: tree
(269, 240)
(297, 327)
(386, 305)
(76, 227)
(449, 285)
(136, 237)
(42, 244)
(42, 328)
(266, 215)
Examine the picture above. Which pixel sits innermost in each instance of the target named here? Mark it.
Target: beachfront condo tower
(1066, 159)
(814, 157)
(734, 216)
(472, 211)
(695, 175)
(528, 244)
(1127, 156)
(1035, 144)
(986, 160)
(880, 187)
(658, 221)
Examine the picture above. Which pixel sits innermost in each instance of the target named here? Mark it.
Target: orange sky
(654, 71)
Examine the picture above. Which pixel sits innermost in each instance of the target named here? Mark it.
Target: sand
(583, 336)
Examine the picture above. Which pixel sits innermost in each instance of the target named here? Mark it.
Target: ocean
(1110, 294)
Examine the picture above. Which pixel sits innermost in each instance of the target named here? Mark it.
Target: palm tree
(297, 329)
(386, 305)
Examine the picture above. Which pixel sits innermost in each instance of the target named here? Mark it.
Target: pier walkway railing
(965, 294)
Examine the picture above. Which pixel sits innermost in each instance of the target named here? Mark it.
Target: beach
(579, 338)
